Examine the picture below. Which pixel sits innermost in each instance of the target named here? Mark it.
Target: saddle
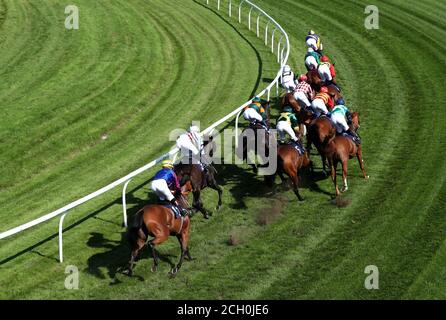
(356, 140)
(298, 146)
(257, 124)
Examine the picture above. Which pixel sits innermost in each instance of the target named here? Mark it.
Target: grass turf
(134, 66)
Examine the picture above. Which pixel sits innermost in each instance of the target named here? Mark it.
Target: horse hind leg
(135, 252)
(344, 175)
(295, 180)
(333, 165)
(183, 239)
(159, 238)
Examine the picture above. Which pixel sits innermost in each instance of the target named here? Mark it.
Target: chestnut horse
(289, 100)
(341, 149)
(290, 162)
(316, 82)
(320, 132)
(159, 222)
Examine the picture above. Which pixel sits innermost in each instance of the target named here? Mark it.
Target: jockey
(314, 41)
(191, 144)
(287, 123)
(327, 72)
(165, 184)
(312, 59)
(288, 79)
(340, 115)
(255, 112)
(321, 101)
(304, 93)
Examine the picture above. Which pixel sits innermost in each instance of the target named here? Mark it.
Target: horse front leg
(217, 188)
(361, 162)
(198, 204)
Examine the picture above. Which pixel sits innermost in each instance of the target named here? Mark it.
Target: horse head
(356, 124)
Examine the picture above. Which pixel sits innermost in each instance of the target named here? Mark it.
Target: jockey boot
(355, 136)
(175, 203)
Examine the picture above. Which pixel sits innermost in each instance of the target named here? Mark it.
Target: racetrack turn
(137, 69)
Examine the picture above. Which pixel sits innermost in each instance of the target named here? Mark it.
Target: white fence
(281, 48)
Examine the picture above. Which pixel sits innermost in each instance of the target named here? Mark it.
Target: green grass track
(137, 69)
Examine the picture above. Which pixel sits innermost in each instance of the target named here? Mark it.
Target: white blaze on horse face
(72, 21)
(372, 21)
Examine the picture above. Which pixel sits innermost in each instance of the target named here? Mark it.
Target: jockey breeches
(289, 86)
(340, 120)
(161, 189)
(311, 63)
(324, 73)
(250, 114)
(312, 43)
(285, 127)
(185, 145)
(302, 99)
(318, 104)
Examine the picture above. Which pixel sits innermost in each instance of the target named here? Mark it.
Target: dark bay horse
(199, 180)
(159, 222)
(290, 162)
(254, 137)
(340, 150)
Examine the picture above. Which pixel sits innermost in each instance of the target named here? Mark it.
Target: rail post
(124, 202)
(62, 218)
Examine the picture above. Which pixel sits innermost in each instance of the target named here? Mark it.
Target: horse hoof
(127, 272)
(344, 190)
(218, 207)
(367, 177)
(173, 272)
(206, 216)
(154, 268)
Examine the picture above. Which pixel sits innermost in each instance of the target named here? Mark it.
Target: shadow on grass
(116, 257)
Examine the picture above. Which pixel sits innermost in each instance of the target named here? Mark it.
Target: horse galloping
(290, 162)
(159, 222)
(341, 149)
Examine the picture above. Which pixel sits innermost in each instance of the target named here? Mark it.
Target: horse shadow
(116, 257)
(245, 184)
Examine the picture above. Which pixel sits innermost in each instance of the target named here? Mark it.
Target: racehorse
(316, 83)
(159, 222)
(341, 149)
(199, 179)
(248, 142)
(289, 100)
(320, 132)
(290, 162)
(191, 173)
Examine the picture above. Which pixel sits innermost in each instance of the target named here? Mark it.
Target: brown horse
(289, 100)
(316, 83)
(290, 162)
(341, 149)
(159, 222)
(320, 132)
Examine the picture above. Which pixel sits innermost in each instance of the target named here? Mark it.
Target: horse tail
(137, 224)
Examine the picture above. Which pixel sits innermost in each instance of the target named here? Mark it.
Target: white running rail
(281, 48)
